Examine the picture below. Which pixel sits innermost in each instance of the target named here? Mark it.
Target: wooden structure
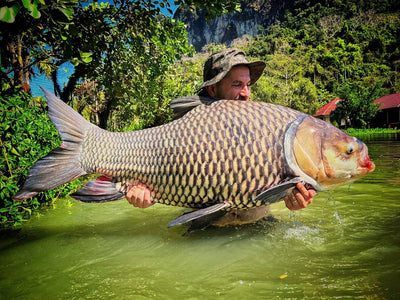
(324, 113)
(389, 114)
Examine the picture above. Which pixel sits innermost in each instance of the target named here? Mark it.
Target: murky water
(345, 245)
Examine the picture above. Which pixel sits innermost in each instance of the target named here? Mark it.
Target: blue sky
(67, 69)
(41, 81)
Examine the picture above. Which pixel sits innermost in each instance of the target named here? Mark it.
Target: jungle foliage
(25, 135)
(122, 46)
(316, 51)
(324, 49)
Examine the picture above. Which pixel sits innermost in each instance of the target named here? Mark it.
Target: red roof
(328, 108)
(389, 101)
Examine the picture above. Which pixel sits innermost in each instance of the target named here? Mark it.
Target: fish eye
(350, 149)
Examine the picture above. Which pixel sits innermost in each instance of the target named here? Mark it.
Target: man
(228, 75)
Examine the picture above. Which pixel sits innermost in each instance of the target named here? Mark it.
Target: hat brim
(256, 70)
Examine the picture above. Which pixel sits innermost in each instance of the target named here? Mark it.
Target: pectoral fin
(277, 192)
(203, 216)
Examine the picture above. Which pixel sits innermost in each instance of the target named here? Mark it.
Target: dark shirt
(180, 106)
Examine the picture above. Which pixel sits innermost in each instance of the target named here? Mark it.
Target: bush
(26, 135)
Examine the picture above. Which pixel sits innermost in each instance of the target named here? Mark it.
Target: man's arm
(140, 196)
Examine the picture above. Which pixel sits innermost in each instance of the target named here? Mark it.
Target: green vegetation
(326, 49)
(372, 131)
(130, 61)
(358, 109)
(26, 134)
(119, 51)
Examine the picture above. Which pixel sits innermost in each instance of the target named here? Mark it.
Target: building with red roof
(324, 112)
(389, 116)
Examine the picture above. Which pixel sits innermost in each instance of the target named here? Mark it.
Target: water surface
(345, 245)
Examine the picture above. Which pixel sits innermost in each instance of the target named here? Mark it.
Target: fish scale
(224, 151)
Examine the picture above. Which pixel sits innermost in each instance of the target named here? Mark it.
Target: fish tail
(62, 164)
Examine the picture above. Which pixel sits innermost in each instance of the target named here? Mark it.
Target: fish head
(329, 156)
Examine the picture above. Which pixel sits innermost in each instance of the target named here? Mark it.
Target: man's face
(235, 85)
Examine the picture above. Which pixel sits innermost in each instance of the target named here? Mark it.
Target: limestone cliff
(254, 15)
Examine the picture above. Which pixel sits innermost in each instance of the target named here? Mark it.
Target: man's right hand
(300, 197)
(139, 196)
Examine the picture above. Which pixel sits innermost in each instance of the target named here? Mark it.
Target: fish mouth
(309, 186)
(366, 165)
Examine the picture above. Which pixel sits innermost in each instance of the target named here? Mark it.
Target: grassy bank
(353, 131)
(371, 132)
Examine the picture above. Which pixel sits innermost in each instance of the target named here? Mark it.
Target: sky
(41, 81)
(67, 69)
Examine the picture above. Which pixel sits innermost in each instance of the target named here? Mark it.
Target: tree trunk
(20, 66)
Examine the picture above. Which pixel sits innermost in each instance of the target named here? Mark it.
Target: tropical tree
(127, 68)
(357, 107)
(123, 45)
(26, 27)
(284, 83)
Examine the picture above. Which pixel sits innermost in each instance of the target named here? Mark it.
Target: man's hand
(139, 196)
(300, 197)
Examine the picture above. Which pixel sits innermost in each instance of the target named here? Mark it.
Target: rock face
(254, 16)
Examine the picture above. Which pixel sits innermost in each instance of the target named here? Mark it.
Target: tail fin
(61, 165)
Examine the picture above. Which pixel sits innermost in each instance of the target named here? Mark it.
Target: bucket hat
(218, 65)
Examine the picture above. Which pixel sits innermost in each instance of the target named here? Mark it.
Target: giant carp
(220, 155)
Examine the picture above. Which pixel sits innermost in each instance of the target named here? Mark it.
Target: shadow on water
(120, 228)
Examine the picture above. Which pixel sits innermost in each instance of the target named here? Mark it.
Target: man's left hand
(139, 195)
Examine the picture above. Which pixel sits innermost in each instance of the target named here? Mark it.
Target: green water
(345, 245)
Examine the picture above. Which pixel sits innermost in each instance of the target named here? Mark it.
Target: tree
(331, 25)
(285, 84)
(282, 70)
(357, 107)
(26, 26)
(35, 31)
(134, 79)
(124, 46)
(139, 45)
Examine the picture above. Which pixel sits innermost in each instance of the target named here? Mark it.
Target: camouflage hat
(219, 64)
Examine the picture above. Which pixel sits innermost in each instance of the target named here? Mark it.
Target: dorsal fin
(181, 106)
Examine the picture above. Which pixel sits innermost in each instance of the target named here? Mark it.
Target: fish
(219, 156)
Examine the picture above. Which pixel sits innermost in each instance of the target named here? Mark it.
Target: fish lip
(366, 165)
(369, 166)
